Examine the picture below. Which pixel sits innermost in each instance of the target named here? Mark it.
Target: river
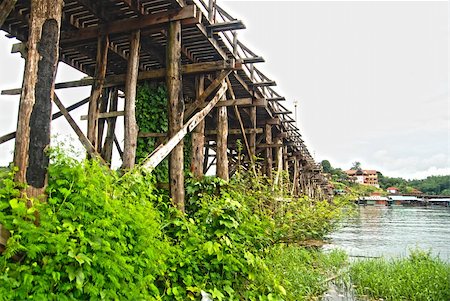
(393, 231)
(390, 232)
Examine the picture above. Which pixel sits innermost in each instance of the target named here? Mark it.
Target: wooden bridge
(214, 89)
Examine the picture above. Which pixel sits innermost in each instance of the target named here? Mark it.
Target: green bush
(95, 240)
(420, 277)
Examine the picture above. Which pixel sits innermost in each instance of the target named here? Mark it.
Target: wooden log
(236, 131)
(107, 148)
(101, 121)
(33, 127)
(252, 140)
(279, 163)
(5, 9)
(105, 115)
(119, 80)
(269, 160)
(130, 127)
(97, 88)
(222, 136)
(198, 136)
(176, 112)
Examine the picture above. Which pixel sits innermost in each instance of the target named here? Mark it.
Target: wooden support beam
(83, 139)
(5, 8)
(56, 115)
(33, 126)
(224, 26)
(131, 128)
(252, 140)
(282, 113)
(243, 102)
(176, 111)
(198, 136)
(97, 88)
(236, 131)
(119, 80)
(188, 14)
(105, 115)
(165, 148)
(279, 162)
(273, 121)
(253, 60)
(269, 160)
(107, 148)
(263, 84)
(271, 145)
(222, 136)
(276, 99)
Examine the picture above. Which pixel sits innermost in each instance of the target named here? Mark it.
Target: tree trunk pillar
(131, 128)
(222, 136)
(252, 137)
(176, 112)
(198, 136)
(33, 126)
(269, 160)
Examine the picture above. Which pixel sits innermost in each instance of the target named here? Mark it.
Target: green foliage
(94, 240)
(419, 277)
(305, 276)
(434, 185)
(151, 117)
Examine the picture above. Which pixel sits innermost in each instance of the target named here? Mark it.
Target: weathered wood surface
(119, 80)
(198, 136)
(222, 136)
(5, 9)
(176, 111)
(97, 88)
(107, 149)
(33, 127)
(131, 128)
(269, 160)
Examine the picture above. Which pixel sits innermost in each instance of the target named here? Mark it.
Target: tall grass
(418, 277)
(304, 273)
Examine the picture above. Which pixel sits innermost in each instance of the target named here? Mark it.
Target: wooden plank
(105, 115)
(131, 128)
(236, 131)
(5, 9)
(33, 126)
(119, 80)
(273, 121)
(151, 135)
(165, 148)
(97, 88)
(189, 14)
(272, 145)
(243, 102)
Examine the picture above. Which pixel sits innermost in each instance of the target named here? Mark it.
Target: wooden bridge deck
(209, 46)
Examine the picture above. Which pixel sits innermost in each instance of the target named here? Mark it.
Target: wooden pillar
(176, 112)
(198, 136)
(279, 164)
(131, 128)
(294, 190)
(97, 89)
(252, 141)
(269, 163)
(108, 145)
(33, 126)
(222, 136)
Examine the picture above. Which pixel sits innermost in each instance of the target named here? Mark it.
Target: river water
(390, 232)
(393, 231)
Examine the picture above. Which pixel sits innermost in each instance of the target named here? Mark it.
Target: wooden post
(97, 88)
(252, 141)
(107, 148)
(106, 95)
(198, 136)
(222, 136)
(176, 112)
(279, 157)
(269, 159)
(131, 128)
(33, 126)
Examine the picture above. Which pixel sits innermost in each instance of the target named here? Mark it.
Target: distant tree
(356, 165)
(326, 166)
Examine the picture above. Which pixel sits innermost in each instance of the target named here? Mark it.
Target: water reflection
(393, 231)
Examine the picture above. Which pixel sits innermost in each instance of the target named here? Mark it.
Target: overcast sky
(371, 79)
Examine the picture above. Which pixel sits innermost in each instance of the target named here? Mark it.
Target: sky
(371, 80)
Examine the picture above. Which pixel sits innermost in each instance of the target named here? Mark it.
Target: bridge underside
(214, 89)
